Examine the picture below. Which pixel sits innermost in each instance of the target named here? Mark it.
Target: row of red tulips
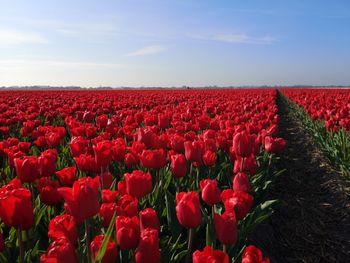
(331, 106)
(326, 115)
(136, 176)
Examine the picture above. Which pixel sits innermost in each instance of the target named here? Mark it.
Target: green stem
(20, 245)
(87, 241)
(189, 245)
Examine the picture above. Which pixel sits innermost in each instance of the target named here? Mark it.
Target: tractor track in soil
(312, 223)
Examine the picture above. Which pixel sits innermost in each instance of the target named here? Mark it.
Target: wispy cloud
(243, 39)
(10, 37)
(150, 50)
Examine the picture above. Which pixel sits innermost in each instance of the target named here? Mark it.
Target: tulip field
(149, 175)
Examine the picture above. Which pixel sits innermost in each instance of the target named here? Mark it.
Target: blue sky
(174, 42)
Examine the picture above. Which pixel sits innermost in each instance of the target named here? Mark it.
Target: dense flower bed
(325, 113)
(331, 106)
(135, 176)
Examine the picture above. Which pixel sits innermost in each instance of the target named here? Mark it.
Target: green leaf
(40, 215)
(179, 256)
(268, 204)
(171, 214)
(103, 248)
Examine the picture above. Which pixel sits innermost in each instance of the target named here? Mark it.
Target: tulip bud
(226, 228)
(241, 183)
(210, 255)
(253, 254)
(27, 168)
(210, 191)
(60, 251)
(111, 253)
(149, 219)
(243, 144)
(138, 183)
(188, 209)
(75, 198)
(67, 176)
(274, 145)
(178, 165)
(148, 249)
(128, 232)
(16, 207)
(63, 226)
(155, 159)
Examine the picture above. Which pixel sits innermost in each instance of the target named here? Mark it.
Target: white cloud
(243, 39)
(147, 51)
(10, 37)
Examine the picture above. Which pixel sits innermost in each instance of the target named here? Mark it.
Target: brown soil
(312, 223)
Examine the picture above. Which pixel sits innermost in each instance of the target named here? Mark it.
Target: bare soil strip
(312, 223)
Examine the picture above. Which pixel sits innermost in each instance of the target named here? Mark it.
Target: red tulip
(107, 180)
(188, 209)
(243, 144)
(78, 146)
(249, 165)
(87, 163)
(148, 250)
(276, 145)
(106, 213)
(48, 191)
(163, 121)
(118, 150)
(67, 176)
(40, 142)
(177, 143)
(193, 151)
(109, 196)
(128, 232)
(122, 187)
(209, 255)
(138, 183)
(241, 183)
(127, 206)
(178, 165)
(103, 153)
(60, 251)
(149, 219)
(53, 139)
(253, 254)
(210, 191)
(24, 146)
(131, 159)
(155, 159)
(226, 228)
(209, 158)
(111, 253)
(75, 198)
(238, 202)
(16, 207)
(47, 163)
(63, 226)
(102, 121)
(27, 168)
